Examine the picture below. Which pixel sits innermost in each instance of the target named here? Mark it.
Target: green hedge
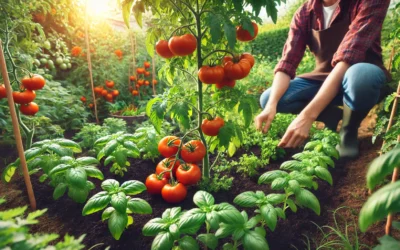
(268, 45)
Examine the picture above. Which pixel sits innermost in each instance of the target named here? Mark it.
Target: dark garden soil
(64, 216)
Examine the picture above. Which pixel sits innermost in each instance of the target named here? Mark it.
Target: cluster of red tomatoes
(109, 96)
(140, 79)
(186, 171)
(177, 46)
(25, 98)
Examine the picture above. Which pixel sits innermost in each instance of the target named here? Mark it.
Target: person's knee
(361, 85)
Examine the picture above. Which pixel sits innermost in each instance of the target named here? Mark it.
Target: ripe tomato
(147, 73)
(237, 71)
(147, 83)
(188, 174)
(182, 45)
(135, 92)
(140, 70)
(98, 90)
(174, 194)
(24, 97)
(3, 93)
(211, 74)
(249, 57)
(132, 78)
(83, 99)
(226, 82)
(165, 165)
(137, 86)
(154, 183)
(168, 146)
(33, 83)
(104, 92)
(155, 81)
(91, 105)
(109, 97)
(212, 127)
(163, 50)
(193, 151)
(146, 65)
(115, 93)
(245, 36)
(110, 84)
(29, 109)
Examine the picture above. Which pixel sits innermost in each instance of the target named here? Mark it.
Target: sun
(98, 7)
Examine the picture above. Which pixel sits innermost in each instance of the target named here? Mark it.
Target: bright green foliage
(117, 148)
(248, 165)
(386, 199)
(14, 232)
(44, 155)
(269, 44)
(175, 227)
(118, 204)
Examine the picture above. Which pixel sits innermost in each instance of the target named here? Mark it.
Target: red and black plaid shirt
(364, 33)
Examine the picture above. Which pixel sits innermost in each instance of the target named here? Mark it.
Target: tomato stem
(218, 50)
(181, 27)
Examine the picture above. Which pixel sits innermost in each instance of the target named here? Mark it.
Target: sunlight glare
(98, 7)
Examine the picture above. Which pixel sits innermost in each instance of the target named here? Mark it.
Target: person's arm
(285, 70)
(363, 31)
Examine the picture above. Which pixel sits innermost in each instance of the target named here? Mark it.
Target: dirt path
(64, 216)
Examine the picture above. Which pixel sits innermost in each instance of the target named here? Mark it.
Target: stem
(216, 51)
(188, 73)
(181, 27)
(206, 159)
(216, 160)
(180, 10)
(204, 5)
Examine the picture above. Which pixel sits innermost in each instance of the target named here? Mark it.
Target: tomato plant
(122, 204)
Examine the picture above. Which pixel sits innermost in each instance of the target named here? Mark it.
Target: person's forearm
(329, 89)
(278, 89)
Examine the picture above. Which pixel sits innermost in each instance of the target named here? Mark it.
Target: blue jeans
(360, 90)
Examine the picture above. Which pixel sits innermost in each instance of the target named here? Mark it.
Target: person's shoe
(331, 117)
(348, 148)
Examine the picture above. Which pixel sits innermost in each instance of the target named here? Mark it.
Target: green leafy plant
(88, 135)
(386, 200)
(248, 165)
(117, 148)
(43, 155)
(122, 204)
(14, 232)
(72, 175)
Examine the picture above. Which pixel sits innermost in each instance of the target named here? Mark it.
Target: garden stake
(396, 170)
(154, 73)
(17, 132)
(90, 62)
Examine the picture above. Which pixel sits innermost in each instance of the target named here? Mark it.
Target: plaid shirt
(364, 33)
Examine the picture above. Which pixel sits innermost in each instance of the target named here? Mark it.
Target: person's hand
(297, 132)
(264, 119)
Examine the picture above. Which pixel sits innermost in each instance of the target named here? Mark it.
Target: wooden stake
(154, 73)
(396, 170)
(17, 132)
(90, 62)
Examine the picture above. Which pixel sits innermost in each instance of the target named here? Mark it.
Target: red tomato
(110, 84)
(146, 65)
(29, 109)
(132, 78)
(98, 90)
(174, 194)
(226, 82)
(163, 50)
(249, 57)
(165, 165)
(140, 82)
(3, 93)
(168, 146)
(237, 71)
(140, 70)
(104, 92)
(188, 174)
(154, 184)
(109, 97)
(135, 92)
(83, 99)
(147, 73)
(193, 151)
(212, 127)
(115, 93)
(182, 45)
(155, 81)
(211, 74)
(245, 36)
(147, 83)
(33, 83)
(91, 105)
(24, 97)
